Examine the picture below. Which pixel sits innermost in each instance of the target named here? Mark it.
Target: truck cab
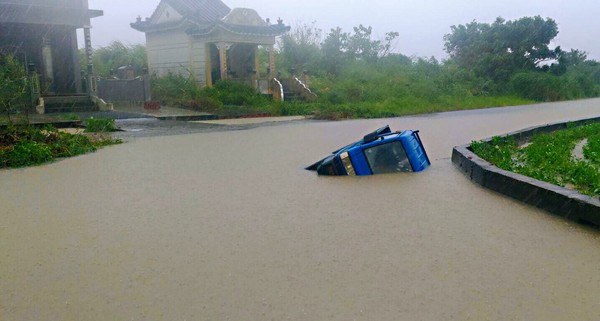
(381, 151)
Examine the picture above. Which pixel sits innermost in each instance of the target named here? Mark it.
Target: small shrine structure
(209, 41)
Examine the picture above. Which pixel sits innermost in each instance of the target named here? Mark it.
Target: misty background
(421, 24)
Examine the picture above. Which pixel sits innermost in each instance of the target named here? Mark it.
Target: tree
(360, 45)
(499, 50)
(572, 58)
(13, 85)
(340, 47)
(333, 49)
(387, 46)
(566, 61)
(300, 48)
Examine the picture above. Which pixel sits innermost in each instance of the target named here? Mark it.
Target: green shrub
(100, 125)
(537, 86)
(183, 91)
(25, 153)
(68, 145)
(235, 93)
(584, 81)
(15, 87)
(25, 146)
(501, 151)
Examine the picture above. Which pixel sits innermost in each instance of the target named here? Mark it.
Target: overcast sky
(421, 23)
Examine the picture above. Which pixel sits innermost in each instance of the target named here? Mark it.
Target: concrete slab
(72, 130)
(166, 112)
(250, 120)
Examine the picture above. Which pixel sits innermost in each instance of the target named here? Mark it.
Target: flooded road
(228, 226)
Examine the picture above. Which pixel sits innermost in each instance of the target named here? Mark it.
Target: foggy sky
(421, 23)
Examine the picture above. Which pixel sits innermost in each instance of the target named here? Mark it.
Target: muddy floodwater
(227, 225)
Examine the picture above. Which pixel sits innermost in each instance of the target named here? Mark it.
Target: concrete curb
(187, 117)
(555, 199)
(55, 124)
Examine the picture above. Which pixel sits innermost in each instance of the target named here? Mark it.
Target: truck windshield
(388, 158)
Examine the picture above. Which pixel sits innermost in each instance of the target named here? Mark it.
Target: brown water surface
(228, 226)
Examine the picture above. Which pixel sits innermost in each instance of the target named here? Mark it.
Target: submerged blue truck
(381, 151)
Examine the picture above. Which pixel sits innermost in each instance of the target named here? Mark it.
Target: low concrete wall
(557, 200)
(130, 91)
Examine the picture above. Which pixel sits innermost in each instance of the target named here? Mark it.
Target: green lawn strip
(548, 157)
(592, 150)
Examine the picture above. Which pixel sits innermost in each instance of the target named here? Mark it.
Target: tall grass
(391, 86)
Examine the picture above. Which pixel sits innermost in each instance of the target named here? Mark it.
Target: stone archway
(233, 61)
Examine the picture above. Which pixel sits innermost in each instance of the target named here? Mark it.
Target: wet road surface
(226, 225)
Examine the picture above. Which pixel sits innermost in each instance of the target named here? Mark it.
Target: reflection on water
(229, 226)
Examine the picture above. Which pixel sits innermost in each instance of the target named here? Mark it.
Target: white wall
(198, 61)
(172, 51)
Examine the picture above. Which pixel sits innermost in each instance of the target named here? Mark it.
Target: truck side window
(388, 158)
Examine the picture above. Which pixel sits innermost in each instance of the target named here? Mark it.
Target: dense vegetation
(354, 75)
(15, 88)
(24, 145)
(503, 63)
(550, 157)
(182, 90)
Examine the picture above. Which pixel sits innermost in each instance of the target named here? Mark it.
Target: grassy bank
(22, 146)
(392, 107)
(552, 157)
(356, 98)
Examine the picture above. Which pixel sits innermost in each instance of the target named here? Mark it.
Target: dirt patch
(577, 152)
(73, 131)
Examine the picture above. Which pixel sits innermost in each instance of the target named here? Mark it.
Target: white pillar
(91, 85)
(223, 47)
